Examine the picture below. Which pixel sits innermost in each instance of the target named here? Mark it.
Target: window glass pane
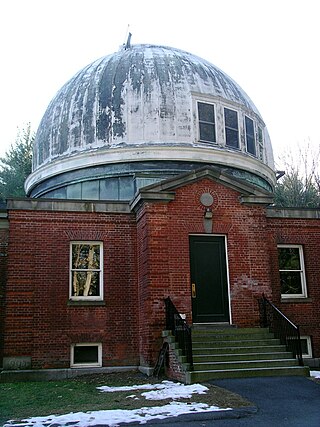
(90, 190)
(289, 258)
(231, 118)
(249, 126)
(291, 269)
(143, 182)
(304, 346)
(85, 284)
(250, 136)
(207, 132)
(86, 270)
(85, 256)
(206, 122)
(231, 128)
(232, 138)
(126, 188)
(250, 145)
(59, 193)
(206, 112)
(109, 189)
(85, 354)
(290, 282)
(74, 191)
(260, 140)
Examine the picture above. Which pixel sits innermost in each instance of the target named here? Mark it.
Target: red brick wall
(39, 321)
(164, 262)
(245, 230)
(3, 277)
(146, 260)
(153, 277)
(305, 312)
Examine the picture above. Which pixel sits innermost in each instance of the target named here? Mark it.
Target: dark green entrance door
(209, 284)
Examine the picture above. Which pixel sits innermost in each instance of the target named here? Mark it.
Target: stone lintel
(303, 213)
(68, 205)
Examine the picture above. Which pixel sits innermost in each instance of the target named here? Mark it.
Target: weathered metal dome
(135, 115)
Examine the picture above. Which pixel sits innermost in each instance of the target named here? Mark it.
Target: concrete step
(226, 331)
(232, 337)
(242, 356)
(237, 350)
(238, 343)
(230, 352)
(235, 343)
(199, 376)
(244, 364)
(235, 334)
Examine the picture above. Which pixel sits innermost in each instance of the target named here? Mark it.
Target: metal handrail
(286, 331)
(180, 330)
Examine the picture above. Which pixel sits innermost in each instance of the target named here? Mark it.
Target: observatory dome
(141, 115)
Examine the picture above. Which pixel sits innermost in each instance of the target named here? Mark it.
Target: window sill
(74, 303)
(298, 299)
(84, 365)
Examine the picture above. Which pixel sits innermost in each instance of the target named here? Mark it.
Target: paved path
(280, 402)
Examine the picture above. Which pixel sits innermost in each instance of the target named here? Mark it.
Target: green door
(209, 284)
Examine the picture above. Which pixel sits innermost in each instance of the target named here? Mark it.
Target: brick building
(152, 178)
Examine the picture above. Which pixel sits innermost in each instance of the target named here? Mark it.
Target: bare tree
(300, 186)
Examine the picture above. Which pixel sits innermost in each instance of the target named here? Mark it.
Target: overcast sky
(269, 47)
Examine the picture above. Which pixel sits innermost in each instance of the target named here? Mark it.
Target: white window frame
(90, 364)
(303, 293)
(87, 298)
(254, 135)
(260, 143)
(309, 346)
(201, 121)
(225, 127)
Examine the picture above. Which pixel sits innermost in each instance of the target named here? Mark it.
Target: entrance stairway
(237, 353)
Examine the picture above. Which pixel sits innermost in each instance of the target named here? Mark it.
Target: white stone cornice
(144, 153)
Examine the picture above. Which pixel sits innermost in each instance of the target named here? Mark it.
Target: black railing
(180, 330)
(287, 332)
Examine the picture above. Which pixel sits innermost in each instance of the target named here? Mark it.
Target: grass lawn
(29, 399)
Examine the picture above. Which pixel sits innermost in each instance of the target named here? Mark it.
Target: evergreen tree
(300, 186)
(16, 165)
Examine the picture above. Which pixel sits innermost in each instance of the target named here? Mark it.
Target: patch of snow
(175, 391)
(107, 389)
(113, 417)
(164, 390)
(315, 374)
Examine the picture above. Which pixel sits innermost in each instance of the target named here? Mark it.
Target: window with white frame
(231, 128)
(207, 123)
(86, 355)
(292, 271)
(306, 346)
(86, 270)
(250, 137)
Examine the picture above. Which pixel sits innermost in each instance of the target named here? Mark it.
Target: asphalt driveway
(278, 401)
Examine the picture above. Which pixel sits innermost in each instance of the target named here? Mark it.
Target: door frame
(227, 274)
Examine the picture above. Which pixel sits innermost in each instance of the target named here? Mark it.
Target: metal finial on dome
(128, 44)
